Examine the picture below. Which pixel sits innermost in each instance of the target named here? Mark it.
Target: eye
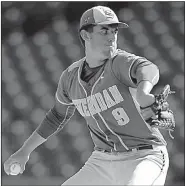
(104, 32)
(116, 31)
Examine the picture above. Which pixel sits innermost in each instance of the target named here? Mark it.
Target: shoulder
(128, 60)
(70, 73)
(75, 65)
(122, 66)
(123, 60)
(124, 56)
(124, 53)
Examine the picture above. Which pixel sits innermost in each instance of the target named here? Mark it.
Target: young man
(108, 87)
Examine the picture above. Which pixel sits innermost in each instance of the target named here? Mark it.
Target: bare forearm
(48, 127)
(32, 143)
(144, 97)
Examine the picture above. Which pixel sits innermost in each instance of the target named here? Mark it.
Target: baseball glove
(158, 114)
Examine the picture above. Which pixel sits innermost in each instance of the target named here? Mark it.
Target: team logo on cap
(108, 13)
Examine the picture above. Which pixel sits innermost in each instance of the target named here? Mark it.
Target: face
(103, 40)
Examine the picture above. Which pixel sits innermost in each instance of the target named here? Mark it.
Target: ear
(85, 35)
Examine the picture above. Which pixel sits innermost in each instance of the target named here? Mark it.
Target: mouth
(109, 45)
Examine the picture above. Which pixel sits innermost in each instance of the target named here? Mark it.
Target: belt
(130, 150)
(143, 147)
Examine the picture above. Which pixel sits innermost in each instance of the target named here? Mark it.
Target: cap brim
(120, 24)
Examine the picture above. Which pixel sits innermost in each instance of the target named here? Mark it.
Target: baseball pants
(143, 167)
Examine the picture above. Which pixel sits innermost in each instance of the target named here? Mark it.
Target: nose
(111, 37)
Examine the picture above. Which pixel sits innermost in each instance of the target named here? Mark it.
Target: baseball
(15, 169)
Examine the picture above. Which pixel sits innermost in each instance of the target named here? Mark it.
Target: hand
(160, 104)
(18, 157)
(158, 114)
(152, 112)
(165, 120)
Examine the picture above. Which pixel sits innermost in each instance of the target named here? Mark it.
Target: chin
(108, 53)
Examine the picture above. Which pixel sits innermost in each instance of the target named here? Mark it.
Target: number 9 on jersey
(120, 116)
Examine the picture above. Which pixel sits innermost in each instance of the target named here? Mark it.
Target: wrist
(32, 143)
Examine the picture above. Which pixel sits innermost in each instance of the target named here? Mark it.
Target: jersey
(109, 105)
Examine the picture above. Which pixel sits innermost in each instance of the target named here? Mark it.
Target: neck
(93, 60)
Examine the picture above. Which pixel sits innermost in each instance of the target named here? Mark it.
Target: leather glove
(158, 114)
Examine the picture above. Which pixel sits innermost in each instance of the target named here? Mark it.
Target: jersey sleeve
(62, 95)
(145, 70)
(131, 69)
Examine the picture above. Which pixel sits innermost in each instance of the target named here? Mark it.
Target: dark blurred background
(40, 40)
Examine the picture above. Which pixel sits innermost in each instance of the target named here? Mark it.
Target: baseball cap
(100, 15)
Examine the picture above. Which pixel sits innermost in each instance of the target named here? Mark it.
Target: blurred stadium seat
(34, 58)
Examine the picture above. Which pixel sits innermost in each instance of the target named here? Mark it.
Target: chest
(105, 92)
(102, 83)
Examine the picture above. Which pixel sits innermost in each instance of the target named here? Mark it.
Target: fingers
(7, 169)
(8, 164)
(166, 114)
(17, 157)
(22, 169)
(165, 106)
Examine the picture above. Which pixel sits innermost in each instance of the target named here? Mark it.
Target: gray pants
(144, 167)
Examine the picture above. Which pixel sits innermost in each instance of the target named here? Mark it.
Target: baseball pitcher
(111, 89)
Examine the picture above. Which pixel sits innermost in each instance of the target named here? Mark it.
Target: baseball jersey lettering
(89, 106)
(100, 101)
(78, 105)
(93, 105)
(116, 94)
(109, 102)
(85, 107)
